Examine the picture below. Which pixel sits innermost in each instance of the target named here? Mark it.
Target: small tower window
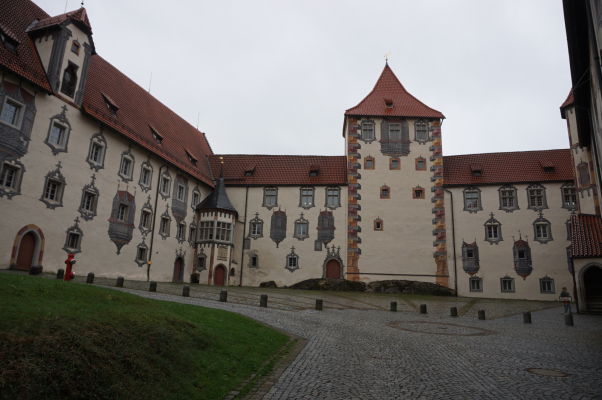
(369, 162)
(75, 46)
(69, 80)
(420, 164)
(418, 193)
(378, 224)
(394, 163)
(385, 192)
(421, 130)
(367, 131)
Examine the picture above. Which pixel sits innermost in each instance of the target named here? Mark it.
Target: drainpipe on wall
(572, 269)
(451, 196)
(244, 233)
(150, 253)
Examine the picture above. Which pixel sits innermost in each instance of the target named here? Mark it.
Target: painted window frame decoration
(568, 191)
(14, 188)
(549, 282)
(583, 176)
(424, 128)
(523, 263)
(137, 259)
(393, 161)
(475, 288)
(307, 192)
(121, 222)
(385, 192)
(490, 223)
(507, 284)
(17, 118)
(253, 259)
(531, 194)
(179, 199)
(201, 261)
(299, 232)
(165, 192)
(417, 163)
(146, 186)
(379, 224)
(270, 192)
(127, 155)
(418, 192)
(147, 208)
(503, 194)
(256, 227)
(181, 231)
(54, 176)
(470, 257)
(278, 226)
(74, 230)
(542, 225)
(292, 261)
(369, 163)
(469, 204)
(325, 228)
(90, 188)
(164, 230)
(192, 232)
(199, 198)
(97, 139)
(367, 126)
(60, 120)
(332, 193)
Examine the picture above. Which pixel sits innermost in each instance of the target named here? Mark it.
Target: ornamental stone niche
(121, 222)
(278, 227)
(179, 198)
(522, 258)
(325, 227)
(17, 107)
(470, 257)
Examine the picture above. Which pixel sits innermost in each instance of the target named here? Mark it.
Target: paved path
(373, 354)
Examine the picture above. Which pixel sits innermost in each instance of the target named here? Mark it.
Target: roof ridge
(275, 155)
(506, 152)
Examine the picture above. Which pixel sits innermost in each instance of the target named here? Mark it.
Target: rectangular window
(145, 219)
(395, 132)
(507, 285)
(181, 193)
(165, 183)
(292, 261)
(542, 231)
(420, 164)
(181, 234)
(469, 253)
(206, 230)
(57, 134)
(536, 198)
(301, 229)
(164, 227)
(472, 200)
(394, 163)
(11, 112)
(96, 153)
(508, 200)
(192, 234)
(475, 284)
(367, 130)
(195, 198)
(307, 197)
(385, 192)
(126, 166)
(418, 193)
(141, 254)
(89, 201)
(333, 197)
(493, 232)
(223, 231)
(369, 163)
(546, 285)
(254, 261)
(569, 197)
(270, 197)
(256, 228)
(73, 240)
(8, 177)
(52, 191)
(145, 177)
(122, 212)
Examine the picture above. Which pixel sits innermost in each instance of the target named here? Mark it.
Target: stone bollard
(186, 291)
(152, 287)
(120, 281)
(393, 306)
(568, 319)
(423, 309)
(453, 312)
(527, 317)
(60, 274)
(263, 300)
(319, 304)
(223, 296)
(90, 277)
(482, 314)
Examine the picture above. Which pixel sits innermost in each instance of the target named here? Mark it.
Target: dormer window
(75, 46)
(191, 158)
(389, 103)
(547, 167)
(69, 80)
(314, 171)
(9, 41)
(156, 135)
(476, 170)
(111, 105)
(249, 170)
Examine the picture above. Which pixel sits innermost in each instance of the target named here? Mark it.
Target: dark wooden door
(26, 249)
(333, 269)
(219, 277)
(178, 270)
(593, 289)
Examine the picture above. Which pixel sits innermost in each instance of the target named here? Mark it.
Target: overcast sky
(275, 77)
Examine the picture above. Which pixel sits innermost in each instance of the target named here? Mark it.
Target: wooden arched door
(219, 276)
(178, 270)
(27, 249)
(333, 269)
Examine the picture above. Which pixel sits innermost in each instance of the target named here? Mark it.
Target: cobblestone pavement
(376, 354)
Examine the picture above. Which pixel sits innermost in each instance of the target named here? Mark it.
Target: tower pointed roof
(390, 98)
(218, 199)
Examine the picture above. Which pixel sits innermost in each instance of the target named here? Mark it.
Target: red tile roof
(15, 17)
(586, 235)
(568, 102)
(280, 170)
(387, 89)
(511, 167)
(137, 109)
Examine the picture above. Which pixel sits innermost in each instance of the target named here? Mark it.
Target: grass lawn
(61, 340)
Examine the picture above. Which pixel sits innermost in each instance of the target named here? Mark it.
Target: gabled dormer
(64, 44)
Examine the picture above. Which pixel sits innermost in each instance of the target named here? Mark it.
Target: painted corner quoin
(353, 195)
(439, 233)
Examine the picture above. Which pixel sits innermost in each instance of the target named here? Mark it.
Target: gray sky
(275, 77)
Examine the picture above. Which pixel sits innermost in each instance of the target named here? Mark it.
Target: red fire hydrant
(69, 275)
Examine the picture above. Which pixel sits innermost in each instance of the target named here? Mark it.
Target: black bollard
(568, 319)
(527, 317)
(186, 291)
(482, 314)
(120, 281)
(263, 300)
(453, 312)
(423, 309)
(152, 287)
(223, 296)
(90, 277)
(319, 304)
(393, 306)
(60, 274)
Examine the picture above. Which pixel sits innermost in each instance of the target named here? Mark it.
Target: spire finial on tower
(387, 55)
